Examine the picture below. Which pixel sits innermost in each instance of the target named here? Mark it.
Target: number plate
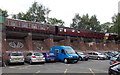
(39, 59)
(52, 59)
(16, 59)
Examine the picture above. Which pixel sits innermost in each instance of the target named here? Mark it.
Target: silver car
(15, 57)
(34, 57)
(96, 55)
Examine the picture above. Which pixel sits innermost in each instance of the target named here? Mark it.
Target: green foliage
(54, 21)
(38, 13)
(107, 27)
(116, 24)
(86, 23)
(4, 12)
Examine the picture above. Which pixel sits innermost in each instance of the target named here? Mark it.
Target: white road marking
(99, 70)
(68, 64)
(65, 70)
(26, 67)
(35, 65)
(11, 67)
(38, 71)
(91, 71)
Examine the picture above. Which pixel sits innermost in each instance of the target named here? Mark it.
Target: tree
(54, 21)
(94, 24)
(106, 27)
(4, 12)
(37, 13)
(116, 24)
(85, 22)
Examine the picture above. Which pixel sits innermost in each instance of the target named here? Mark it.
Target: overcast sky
(66, 9)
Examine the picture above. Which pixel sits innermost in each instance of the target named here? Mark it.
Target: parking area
(91, 66)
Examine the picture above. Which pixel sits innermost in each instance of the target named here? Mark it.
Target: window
(44, 54)
(118, 59)
(73, 30)
(16, 54)
(38, 54)
(69, 51)
(78, 31)
(34, 26)
(42, 27)
(25, 25)
(61, 29)
(65, 30)
(13, 23)
(95, 54)
(56, 51)
(90, 53)
(29, 54)
(51, 53)
(62, 51)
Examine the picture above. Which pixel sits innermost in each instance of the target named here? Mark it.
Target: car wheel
(65, 61)
(98, 58)
(86, 59)
(80, 58)
(31, 62)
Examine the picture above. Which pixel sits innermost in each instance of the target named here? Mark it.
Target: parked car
(114, 69)
(106, 54)
(115, 59)
(49, 57)
(82, 56)
(96, 55)
(1, 59)
(34, 57)
(15, 57)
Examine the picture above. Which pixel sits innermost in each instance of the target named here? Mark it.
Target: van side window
(62, 51)
(56, 51)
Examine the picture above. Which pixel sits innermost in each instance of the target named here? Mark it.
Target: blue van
(65, 53)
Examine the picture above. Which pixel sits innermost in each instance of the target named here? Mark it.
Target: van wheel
(76, 61)
(65, 61)
(23, 63)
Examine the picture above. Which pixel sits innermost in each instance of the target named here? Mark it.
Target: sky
(66, 9)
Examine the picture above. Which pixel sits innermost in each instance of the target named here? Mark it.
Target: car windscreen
(80, 53)
(16, 54)
(38, 54)
(118, 58)
(51, 53)
(69, 51)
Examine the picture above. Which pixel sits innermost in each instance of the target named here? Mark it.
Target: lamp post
(118, 24)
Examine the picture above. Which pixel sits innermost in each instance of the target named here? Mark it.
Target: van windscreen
(70, 51)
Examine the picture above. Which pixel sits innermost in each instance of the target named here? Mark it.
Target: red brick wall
(15, 45)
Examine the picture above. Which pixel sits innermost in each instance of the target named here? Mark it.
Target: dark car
(82, 56)
(114, 69)
(49, 57)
